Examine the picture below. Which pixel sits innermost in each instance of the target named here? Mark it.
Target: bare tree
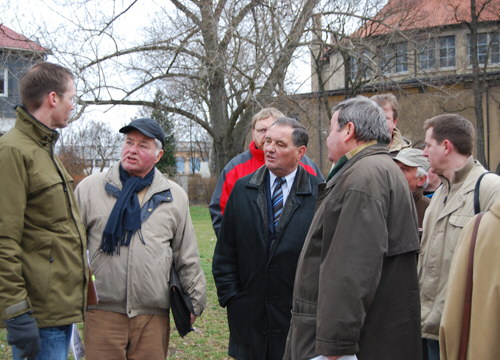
(390, 47)
(92, 145)
(491, 10)
(216, 62)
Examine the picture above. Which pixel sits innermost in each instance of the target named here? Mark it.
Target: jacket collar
(38, 132)
(466, 181)
(417, 194)
(398, 141)
(367, 151)
(114, 185)
(301, 182)
(460, 175)
(258, 154)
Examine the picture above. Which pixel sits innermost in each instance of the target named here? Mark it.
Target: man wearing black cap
(137, 224)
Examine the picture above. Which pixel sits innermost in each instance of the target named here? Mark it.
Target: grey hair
(159, 146)
(300, 137)
(421, 172)
(367, 116)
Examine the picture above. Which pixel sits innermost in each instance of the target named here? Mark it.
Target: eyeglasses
(73, 99)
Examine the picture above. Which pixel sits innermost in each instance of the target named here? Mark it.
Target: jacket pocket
(239, 319)
(301, 340)
(48, 197)
(38, 272)
(460, 220)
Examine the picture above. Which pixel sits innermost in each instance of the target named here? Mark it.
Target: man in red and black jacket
(248, 162)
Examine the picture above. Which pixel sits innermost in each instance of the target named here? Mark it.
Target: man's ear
(421, 180)
(350, 132)
(51, 98)
(448, 146)
(160, 154)
(301, 152)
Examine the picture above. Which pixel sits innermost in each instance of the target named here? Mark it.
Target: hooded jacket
(43, 265)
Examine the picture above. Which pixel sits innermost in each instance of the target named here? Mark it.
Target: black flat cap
(147, 127)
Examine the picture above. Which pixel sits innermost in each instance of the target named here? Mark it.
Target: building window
(179, 163)
(394, 58)
(427, 55)
(360, 65)
(437, 53)
(488, 48)
(195, 164)
(4, 81)
(447, 51)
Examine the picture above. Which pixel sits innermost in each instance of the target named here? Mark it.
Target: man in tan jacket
(449, 141)
(138, 225)
(485, 310)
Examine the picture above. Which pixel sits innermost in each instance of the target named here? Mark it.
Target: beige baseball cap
(414, 158)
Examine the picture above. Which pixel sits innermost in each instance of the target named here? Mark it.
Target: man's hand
(193, 318)
(22, 332)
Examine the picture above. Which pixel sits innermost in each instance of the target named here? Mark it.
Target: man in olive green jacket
(43, 266)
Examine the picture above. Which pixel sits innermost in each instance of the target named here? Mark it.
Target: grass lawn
(209, 341)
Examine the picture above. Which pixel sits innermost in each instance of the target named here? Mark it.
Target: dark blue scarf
(125, 218)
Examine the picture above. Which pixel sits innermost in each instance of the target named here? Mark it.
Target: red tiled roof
(12, 40)
(404, 15)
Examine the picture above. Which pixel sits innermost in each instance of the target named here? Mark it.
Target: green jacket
(43, 266)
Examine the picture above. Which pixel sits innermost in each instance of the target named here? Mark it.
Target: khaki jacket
(398, 142)
(444, 220)
(485, 311)
(136, 281)
(43, 265)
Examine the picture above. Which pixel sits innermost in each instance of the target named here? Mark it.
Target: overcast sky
(26, 16)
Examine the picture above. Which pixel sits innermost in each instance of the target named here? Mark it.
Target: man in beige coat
(138, 225)
(485, 310)
(448, 145)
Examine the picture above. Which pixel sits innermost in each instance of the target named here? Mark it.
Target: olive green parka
(43, 266)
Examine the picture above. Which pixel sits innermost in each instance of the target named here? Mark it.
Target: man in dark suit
(263, 229)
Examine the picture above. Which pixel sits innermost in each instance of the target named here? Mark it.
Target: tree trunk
(478, 87)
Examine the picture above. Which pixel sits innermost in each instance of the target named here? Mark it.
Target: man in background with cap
(415, 166)
(138, 225)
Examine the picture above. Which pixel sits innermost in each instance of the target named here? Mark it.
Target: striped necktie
(277, 199)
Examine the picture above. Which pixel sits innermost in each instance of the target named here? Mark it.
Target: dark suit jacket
(254, 267)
